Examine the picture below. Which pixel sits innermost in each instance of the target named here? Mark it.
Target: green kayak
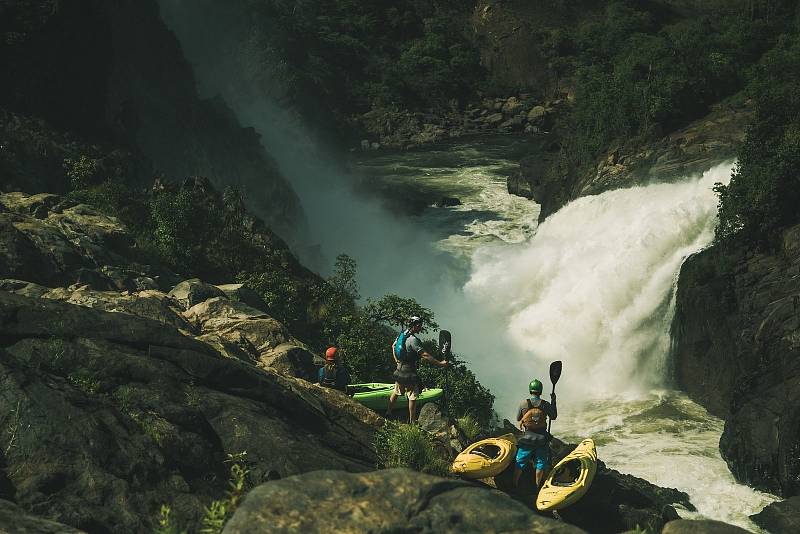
(376, 395)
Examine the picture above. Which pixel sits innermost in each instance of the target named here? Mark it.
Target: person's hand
(444, 363)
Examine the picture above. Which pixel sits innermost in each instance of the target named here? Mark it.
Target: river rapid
(592, 286)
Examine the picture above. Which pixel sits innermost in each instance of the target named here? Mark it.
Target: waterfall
(594, 286)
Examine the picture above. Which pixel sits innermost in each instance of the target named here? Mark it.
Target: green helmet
(535, 386)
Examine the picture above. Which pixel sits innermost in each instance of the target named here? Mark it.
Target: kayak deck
(375, 395)
(485, 458)
(570, 478)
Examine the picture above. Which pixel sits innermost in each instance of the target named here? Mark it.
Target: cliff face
(693, 149)
(736, 338)
(99, 76)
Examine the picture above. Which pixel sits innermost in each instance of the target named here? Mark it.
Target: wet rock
(779, 517)
(447, 202)
(512, 105)
(494, 118)
(194, 291)
(704, 526)
(736, 338)
(394, 500)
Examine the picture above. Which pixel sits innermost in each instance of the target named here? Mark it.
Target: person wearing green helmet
(534, 444)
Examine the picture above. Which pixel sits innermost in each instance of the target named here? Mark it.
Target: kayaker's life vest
(399, 347)
(329, 376)
(535, 418)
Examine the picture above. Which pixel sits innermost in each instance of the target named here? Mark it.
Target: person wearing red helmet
(334, 374)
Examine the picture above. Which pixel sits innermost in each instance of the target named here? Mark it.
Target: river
(592, 286)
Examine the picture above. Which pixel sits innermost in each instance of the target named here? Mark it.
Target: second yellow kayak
(570, 478)
(486, 458)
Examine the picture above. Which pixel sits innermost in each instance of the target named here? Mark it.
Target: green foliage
(469, 426)
(396, 310)
(349, 55)
(399, 445)
(279, 291)
(764, 192)
(639, 72)
(165, 524)
(81, 171)
(465, 394)
(221, 510)
(84, 380)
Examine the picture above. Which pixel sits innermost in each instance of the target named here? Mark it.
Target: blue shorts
(540, 456)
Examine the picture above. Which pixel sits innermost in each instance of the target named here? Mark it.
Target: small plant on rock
(399, 445)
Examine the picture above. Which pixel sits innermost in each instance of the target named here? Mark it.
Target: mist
(593, 287)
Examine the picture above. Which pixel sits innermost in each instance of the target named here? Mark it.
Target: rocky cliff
(690, 150)
(107, 80)
(736, 351)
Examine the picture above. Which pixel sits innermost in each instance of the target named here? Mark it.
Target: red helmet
(330, 354)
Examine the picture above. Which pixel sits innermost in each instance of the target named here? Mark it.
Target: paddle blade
(555, 371)
(445, 344)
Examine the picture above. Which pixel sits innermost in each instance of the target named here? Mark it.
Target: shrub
(469, 426)
(764, 190)
(399, 445)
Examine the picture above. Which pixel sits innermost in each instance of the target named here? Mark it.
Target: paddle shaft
(555, 374)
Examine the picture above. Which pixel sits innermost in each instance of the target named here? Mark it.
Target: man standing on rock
(534, 445)
(407, 351)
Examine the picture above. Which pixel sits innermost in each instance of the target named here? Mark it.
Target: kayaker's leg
(392, 399)
(542, 459)
(523, 456)
(412, 393)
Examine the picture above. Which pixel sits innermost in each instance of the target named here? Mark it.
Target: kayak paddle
(445, 347)
(555, 374)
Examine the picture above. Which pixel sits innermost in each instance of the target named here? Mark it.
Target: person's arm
(553, 409)
(320, 375)
(394, 356)
(433, 360)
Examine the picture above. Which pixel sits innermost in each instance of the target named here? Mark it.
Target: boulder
(779, 517)
(15, 520)
(702, 526)
(512, 105)
(537, 113)
(494, 118)
(21, 287)
(148, 304)
(447, 202)
(107, 416)
(194, 291)
(242, 293)
(267, 340)
(393, 500)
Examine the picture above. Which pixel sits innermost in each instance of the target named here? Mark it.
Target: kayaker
(334, 374)
(534, 445)
(407, 380)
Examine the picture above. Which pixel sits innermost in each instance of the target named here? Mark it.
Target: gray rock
(241, 293)
(394, 500)
(536, 113)
(736, 334)
(107, 416)
(21, 287)
(704, 526)
(194, 291)
(494, 118)
(780, 517)
(14, 520)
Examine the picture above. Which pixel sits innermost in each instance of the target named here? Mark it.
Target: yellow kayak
(486, 458)
(570, 478)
